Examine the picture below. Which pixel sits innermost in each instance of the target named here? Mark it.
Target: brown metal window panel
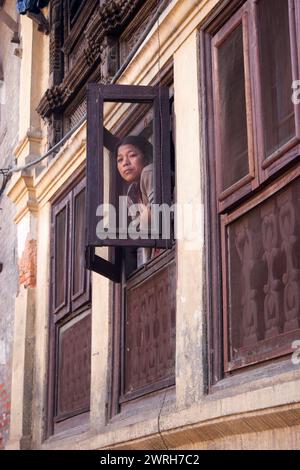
(149, 349)
(233, 108)
(74, 367)
(261, 275)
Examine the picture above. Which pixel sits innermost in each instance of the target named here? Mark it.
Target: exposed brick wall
(27, 265)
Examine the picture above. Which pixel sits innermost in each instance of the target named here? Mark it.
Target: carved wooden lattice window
(254, 142)
(70, 319)
(88, 42)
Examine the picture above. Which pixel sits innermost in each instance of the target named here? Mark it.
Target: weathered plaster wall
(9, 122)
(27, 140)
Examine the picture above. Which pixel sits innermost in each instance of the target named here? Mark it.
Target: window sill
(254, 378)
(259, 406)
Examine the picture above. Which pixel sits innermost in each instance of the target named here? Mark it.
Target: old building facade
(10, 62)
(195, 348)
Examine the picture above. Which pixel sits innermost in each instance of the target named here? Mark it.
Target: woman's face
(130, 162)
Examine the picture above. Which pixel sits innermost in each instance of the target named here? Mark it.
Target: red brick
(27, 264)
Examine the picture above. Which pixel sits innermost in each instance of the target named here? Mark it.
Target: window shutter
(60, 295)
(276, 74)
(70, 327)
(253, 137)
(261, 273)
(232, 100)
(100, 142)
(276, 41)
(149, 356)
(234, 165)
(80, 285)
(74, 367)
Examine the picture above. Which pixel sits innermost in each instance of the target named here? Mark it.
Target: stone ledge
(29, 144)
(286, 416)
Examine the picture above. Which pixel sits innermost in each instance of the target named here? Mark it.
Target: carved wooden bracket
(10, 23)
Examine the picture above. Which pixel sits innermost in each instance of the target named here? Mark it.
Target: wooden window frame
(99, 137)
(260, 168)
(291, 149)
(75, 307)
(81, 315)
(278, 344)
(220, 213)
(63, 308)
(153, 267)
(83, 296)
(120, 403)
(249, 181)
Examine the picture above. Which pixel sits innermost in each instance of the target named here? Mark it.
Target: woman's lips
(127, 171)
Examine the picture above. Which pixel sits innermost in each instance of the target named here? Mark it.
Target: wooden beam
(8, 20)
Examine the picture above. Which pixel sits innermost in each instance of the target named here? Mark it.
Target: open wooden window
(233, 112)
(144, 300)
(70, 319)
(130, 172)
(252, 54)
(254, 62)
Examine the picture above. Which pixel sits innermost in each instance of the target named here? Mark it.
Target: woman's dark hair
(139, 142)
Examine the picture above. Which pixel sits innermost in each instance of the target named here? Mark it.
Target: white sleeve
(146, 185)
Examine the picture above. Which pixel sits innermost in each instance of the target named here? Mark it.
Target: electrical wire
(52, 150)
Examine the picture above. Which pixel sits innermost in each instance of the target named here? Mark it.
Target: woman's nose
(126, 161)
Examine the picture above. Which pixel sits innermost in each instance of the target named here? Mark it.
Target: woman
(134, 162)
(134, 156)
